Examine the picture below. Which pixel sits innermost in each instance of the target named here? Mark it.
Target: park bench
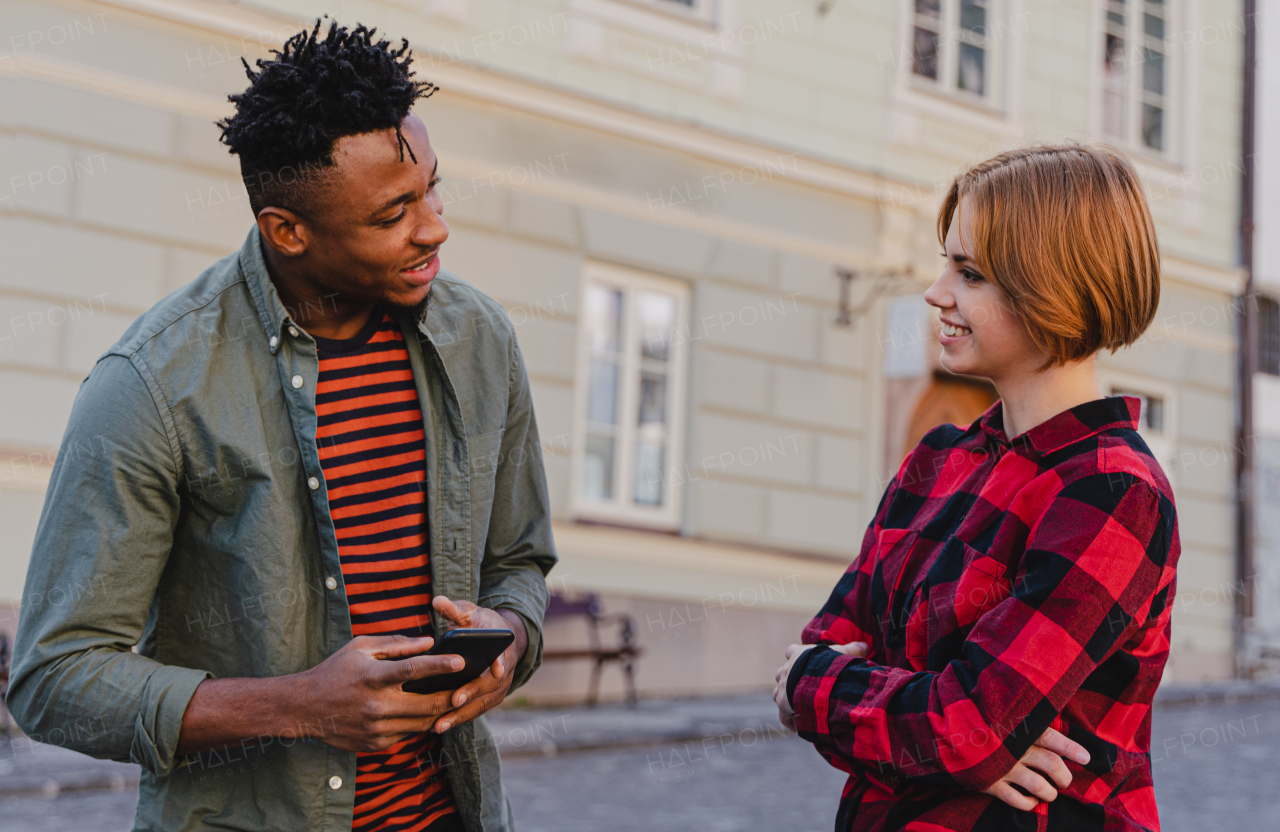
(625, 652)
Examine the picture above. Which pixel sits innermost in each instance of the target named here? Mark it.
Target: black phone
(478, 647)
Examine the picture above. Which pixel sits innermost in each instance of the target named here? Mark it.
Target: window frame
(622, 509)
(947, 84)
(1268, 334)
(1135, 95)
(702, 11)
(1163, 444)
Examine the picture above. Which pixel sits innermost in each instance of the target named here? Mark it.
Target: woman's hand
(786, 714)
(1041, 764)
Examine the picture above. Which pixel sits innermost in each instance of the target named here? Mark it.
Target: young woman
(989, 660)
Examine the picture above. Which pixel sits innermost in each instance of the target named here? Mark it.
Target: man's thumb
(853, 648)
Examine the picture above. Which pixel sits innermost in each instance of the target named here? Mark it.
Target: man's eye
(393, 220)
(435, 182)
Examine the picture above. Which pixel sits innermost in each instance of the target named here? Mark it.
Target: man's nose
(432, 231)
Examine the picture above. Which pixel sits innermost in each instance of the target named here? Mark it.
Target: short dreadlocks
(314, 92)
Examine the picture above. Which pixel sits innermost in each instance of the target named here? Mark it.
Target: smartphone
(477, 647)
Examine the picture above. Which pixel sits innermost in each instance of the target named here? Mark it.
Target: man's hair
(1065, 233)
(314, 92)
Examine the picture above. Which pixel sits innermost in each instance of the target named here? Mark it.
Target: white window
(954, 48)
(628, 438)
(701, 9)
(1136, 80)
(1157, 420)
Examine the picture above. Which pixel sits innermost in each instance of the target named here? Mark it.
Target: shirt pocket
(961, 585)
(982, 585)
(894, 549)
(484, 453)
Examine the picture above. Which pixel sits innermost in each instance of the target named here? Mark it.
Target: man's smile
(423, 271)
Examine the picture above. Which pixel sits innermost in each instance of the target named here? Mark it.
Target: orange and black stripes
(372, 448)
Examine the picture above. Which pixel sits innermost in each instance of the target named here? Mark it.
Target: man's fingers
(853, 648)
(1059, 744)
(1016, 799)
(480, 686)
(392, 647)
(419, 707)
(418, 667)
(466, 713)
(458, 613)
(794, 650)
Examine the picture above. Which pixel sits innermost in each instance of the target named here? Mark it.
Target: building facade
(711, 222)
(1262, 649)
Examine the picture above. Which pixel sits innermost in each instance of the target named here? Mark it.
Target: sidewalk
(35, 769)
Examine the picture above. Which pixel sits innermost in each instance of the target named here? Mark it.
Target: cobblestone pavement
(1216, 767)
(1215, 770)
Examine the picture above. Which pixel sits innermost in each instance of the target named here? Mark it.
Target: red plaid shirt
(1004, 588)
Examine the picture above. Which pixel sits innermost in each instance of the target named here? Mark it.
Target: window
(1268, 335)
(630, 397)
(1151, 412)
(1157, 417)
(699, 8)
(1135, 73)
(951, 48)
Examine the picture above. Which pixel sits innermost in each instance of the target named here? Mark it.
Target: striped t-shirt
(372, 448)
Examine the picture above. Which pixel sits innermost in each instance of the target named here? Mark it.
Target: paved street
(1215, 770)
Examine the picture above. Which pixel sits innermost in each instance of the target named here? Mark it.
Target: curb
(78, 781)
(601, 740)
(1224, 694)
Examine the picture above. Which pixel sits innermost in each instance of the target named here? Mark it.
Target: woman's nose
(938, 295)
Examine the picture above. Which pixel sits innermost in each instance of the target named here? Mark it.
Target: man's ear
(284, 231)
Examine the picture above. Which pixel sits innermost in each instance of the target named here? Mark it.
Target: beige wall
(592, 141)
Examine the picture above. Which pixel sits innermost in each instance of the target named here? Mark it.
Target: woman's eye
(970, 276)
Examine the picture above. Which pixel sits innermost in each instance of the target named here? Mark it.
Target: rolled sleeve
(103, 541)
(519, 548)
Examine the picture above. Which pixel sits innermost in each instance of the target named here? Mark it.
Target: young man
(323, 436)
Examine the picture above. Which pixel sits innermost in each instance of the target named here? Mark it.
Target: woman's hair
(1064, 231)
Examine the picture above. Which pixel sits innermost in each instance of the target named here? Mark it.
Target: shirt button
(274, 341)
(335, 782)
(297, 382)
(293, 330)
(314, 483)
(331, 582)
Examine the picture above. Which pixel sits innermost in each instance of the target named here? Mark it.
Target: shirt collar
(253, 265)
(1068, 427)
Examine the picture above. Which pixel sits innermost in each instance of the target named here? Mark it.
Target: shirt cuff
(533, 637)
(165, 699)
(809, 689)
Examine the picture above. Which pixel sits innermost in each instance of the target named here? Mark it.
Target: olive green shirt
(187, 517)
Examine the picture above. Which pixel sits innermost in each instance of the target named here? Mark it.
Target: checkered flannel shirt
(1004, 588)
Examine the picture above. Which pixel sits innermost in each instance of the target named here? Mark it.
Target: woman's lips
(952, 334)
(424, 275)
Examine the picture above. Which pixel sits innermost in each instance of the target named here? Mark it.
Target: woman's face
(980, 333)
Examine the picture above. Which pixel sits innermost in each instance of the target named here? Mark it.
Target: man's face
(378, 225)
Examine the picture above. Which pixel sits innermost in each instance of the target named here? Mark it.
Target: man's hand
(1041, 764)
(488, 689)
(352, 700)
(786, 714)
